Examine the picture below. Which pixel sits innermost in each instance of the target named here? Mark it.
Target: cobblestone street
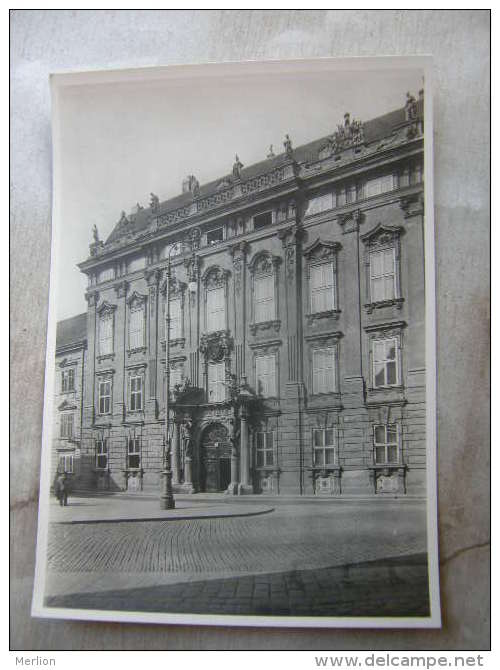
(318, 558)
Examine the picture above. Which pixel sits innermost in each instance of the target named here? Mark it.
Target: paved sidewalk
(102, 509)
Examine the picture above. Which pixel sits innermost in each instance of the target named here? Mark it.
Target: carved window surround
(215, 277)
(137, 301)
(106, 309)
(383, 238)
(136, 370)
(264, 264)
(322, 254)
(385, 393)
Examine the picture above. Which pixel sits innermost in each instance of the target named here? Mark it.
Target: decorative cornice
(275, 325)
(329, 314)
(330, 335)
(388, 325)
(266, 344)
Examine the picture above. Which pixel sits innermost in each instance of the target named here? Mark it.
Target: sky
(117, 142)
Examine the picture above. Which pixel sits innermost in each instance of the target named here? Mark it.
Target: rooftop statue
(288, 146)
(154, 202)
(237, 167)
(95, 234)
(271, 153)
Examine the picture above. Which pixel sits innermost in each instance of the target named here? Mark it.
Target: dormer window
(262, 220)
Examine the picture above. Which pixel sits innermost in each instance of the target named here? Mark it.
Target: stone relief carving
(216, 346)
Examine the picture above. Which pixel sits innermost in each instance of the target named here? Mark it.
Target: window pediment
(136, 299)
(321, 250)
(215, 276)
(66, 405)
(105, 308)
(263, 262)
(382, 235)
(176, 288)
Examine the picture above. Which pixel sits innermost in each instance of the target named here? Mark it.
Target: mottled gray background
(43, 41)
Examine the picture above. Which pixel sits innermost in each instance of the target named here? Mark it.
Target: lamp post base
(167, 497)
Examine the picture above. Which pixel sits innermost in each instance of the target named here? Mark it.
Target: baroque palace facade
(297, 328)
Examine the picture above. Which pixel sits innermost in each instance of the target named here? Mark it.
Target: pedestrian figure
(62, 489)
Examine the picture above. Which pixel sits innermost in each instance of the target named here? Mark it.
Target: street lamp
(167, 495)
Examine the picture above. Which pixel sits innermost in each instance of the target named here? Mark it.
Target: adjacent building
(296, 354)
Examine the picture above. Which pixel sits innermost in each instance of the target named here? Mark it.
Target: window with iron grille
(134, 453)
(386, 443)
(101, 454)
(324, 447)
(67, 424)
(65, 463)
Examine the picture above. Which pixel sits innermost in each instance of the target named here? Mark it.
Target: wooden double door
(215, 459)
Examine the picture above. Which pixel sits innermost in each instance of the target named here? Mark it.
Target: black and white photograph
(240, 394)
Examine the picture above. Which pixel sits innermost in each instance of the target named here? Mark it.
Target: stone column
(245, 487)
(175, 453)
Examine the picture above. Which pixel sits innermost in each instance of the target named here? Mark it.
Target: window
(383, 275)
(216, 382)
(67, 380)
(65, 463)
(136, 264)
(106, 275)
(264, 450)
(320, 203)
(262, 220)
(136, 328)
(216, 309)
(324, 372)
(215, 236)
(379, 185)
(385, 363)
(134, 453)
(175, 319)
(264, 299)
(105, 397)
(106, 334)
(67, 423)
(265, 375)
(386, 444)
(322, 283)
(135, 393)
(101, 454)
(324, 447)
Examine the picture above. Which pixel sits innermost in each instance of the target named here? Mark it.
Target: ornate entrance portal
(215, 459)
